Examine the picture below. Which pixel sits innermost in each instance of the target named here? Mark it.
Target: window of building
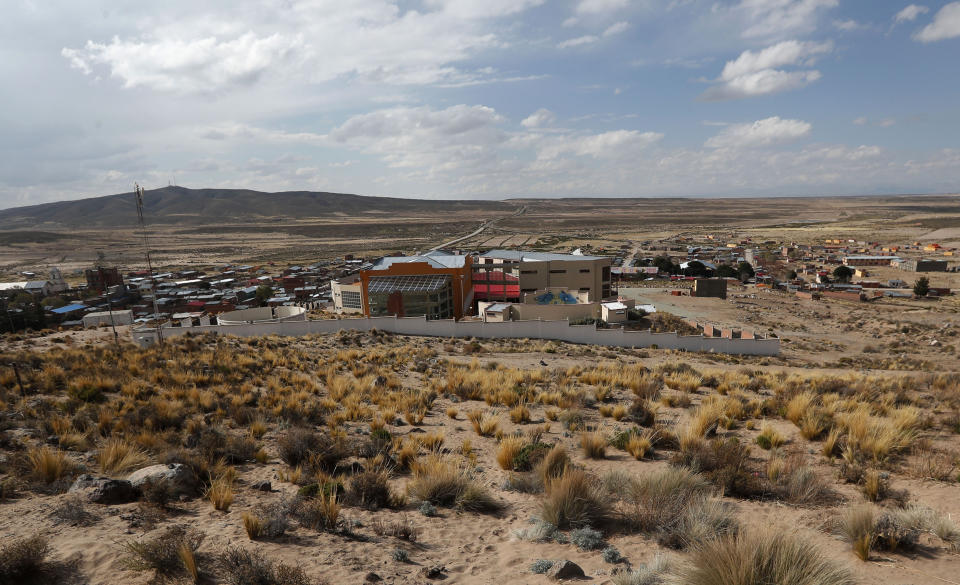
(352, 300)
(605, 275)
(529, 272)
(584, 271)
(558, 272)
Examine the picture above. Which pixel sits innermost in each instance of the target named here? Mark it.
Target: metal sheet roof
(68, 309)
(434, 260)
(519, 256)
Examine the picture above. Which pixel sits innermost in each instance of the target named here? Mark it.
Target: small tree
(726, 271)
(263, 293)
(842, 273)
(745, 271)
(921, 286)
(666, 265)
(695, 268)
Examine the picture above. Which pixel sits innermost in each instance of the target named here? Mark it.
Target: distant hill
(180, 205)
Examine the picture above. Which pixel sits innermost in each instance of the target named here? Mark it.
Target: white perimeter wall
(558, 330)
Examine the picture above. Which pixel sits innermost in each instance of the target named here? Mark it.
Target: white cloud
(542, 117)
(482, 8)
(945, 25)
(206, 64)
(600, 6)
(779, 55)
(612, 30)
(766, 132)
(613, 144)
(848, 25)
(910, 13)
(757, 73)
(616, 28)
(308, 41)
(886, 122)
(861, 121)
(578, 41)
(778, 18)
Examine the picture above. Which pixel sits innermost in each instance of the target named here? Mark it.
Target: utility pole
(138, 190)
(113, 325)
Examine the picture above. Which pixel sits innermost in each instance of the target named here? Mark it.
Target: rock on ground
(565, 570)
(179, 477)
(104, 490)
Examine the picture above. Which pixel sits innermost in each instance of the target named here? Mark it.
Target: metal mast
(146, 250)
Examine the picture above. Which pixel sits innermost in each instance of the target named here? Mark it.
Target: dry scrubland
(421, 459)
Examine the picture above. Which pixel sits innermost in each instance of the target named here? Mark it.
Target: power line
(138, 190)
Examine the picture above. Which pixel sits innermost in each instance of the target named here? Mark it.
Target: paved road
(480, 229)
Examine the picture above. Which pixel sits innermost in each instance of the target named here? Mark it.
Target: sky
(482, 99)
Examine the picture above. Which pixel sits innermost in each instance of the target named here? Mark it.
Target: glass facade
(411, 296)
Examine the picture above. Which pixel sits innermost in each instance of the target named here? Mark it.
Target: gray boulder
(565, 570)
(179, 477)
(104, 490)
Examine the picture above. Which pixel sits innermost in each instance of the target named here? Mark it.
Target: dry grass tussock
(574, 500)
(118, 455)
(761, 556)
(444, 481)
(48, 465)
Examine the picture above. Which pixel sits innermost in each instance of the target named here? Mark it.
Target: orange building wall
(461, 281)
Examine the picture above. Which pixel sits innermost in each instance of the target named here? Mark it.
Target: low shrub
(726, 463)
(23, 560)
(370, 489)
(319, 513)
(656, 573)
(244, 567)
(587, 538)
(611, 555)
(296, 445)
(271, 522)
(529, 456)
(162, 554)
(400, 527)
(540, 566)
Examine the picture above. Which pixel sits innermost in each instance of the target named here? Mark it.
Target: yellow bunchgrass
(220, 493)
(253, 524)
(118, 455)
(483, 424)
(594, 445)
(508, 449)
(520, 414)
(48, 465)
(799, 406)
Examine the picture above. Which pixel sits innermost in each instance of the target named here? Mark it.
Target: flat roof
(519, 256)
(435, 260)
(498, 307)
